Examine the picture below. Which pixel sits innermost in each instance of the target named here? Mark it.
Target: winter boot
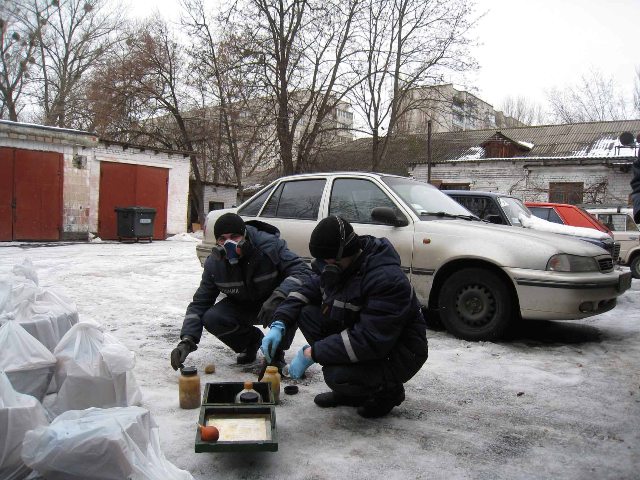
(382, 402)
(249, 353)
(334, 399)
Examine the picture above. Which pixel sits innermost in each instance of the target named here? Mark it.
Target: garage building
(61, 184)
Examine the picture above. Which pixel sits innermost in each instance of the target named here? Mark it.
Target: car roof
(345, 172)
(550, 204)
(468, 193)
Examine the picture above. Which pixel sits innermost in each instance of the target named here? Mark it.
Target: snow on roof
(472, 154)
(605, 146)
(527, 145)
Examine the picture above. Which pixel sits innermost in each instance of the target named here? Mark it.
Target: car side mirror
(387, 216)
(497, 219)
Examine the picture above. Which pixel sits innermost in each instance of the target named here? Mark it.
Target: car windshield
(426, 199)
(513, 209)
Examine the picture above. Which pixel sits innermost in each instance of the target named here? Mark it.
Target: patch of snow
(555, 400)
(185, 237)
(528, 145)
(472, 153)
(543, 225)
(602, 147)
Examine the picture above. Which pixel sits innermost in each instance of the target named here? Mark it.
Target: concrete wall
(530, 180)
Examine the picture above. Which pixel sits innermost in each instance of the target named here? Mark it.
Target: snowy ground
(559, 400)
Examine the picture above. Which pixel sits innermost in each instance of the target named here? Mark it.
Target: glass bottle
(189, 387)
(248, 394)
(272, 376)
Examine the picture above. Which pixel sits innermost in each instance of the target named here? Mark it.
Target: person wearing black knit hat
(255, 270)
(361, 318)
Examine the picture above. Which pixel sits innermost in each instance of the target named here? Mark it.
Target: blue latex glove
(300, 364)
(272, 340)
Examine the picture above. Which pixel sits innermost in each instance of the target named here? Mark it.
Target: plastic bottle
(272, 376)
(248, 394)
(189, 387)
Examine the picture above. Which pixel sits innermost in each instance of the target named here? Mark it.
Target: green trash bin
(135, 223)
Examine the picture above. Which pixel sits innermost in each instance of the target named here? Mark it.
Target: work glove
(300, 364)
(269, 307)
(184, 348)
(272, 340)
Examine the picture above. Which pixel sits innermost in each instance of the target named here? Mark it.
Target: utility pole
(429, 151)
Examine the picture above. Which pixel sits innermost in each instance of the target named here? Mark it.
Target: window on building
(566, 192)
(454, 186)
(296, 199)
(216, 205)
(353, 200)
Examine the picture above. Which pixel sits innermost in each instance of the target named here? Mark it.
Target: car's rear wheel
(476, 304)
(635, 267)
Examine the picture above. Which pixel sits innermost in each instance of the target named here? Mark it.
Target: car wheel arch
(452, 267)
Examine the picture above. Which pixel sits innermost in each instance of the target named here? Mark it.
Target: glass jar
(248, 394)
(189, 388)
(272, 376)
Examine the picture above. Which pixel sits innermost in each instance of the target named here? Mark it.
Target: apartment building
(450, 110)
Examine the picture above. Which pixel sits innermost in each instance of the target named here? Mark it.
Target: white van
(625, 231)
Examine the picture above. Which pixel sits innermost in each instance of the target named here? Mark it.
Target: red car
(567, 215)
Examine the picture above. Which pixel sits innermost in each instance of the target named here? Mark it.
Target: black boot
(334, 399)
(382, 402)
(249, 353)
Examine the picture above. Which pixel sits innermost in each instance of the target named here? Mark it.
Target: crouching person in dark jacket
(361, 318)
(253, 267)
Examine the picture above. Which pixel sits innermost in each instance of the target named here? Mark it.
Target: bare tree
(153, 103)
(594, 98)
(77, 38)
(409, 44)
(523, 110)
(225, 78)
(21, 24)
(636, 92)
(302, 47)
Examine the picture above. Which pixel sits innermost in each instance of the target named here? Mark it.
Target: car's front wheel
(476, 304)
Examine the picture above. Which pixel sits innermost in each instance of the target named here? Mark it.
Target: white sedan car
(476, 276)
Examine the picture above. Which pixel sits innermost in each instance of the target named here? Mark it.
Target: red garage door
(126, 185)
(30, 195)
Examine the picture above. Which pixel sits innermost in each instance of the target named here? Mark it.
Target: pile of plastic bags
(96, 431)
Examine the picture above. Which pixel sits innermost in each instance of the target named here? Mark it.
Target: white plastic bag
(94, 370)
(100, 444)
(27, 363)
(19, 413)
(44, 313)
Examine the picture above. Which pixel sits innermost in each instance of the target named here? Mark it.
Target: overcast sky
(530, 46)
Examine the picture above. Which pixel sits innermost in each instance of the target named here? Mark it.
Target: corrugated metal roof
(572, 141)
(581, 140)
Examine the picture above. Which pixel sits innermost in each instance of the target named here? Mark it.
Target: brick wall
(530, 181)
(224, 194)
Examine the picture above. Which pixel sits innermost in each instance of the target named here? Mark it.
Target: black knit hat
(229, 223)
(325, 239)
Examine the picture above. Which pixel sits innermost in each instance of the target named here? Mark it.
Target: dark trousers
(233, 324)
(362, 379)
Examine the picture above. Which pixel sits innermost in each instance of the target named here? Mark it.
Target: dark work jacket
(635, 189)
(272, 266)
(374, 312)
